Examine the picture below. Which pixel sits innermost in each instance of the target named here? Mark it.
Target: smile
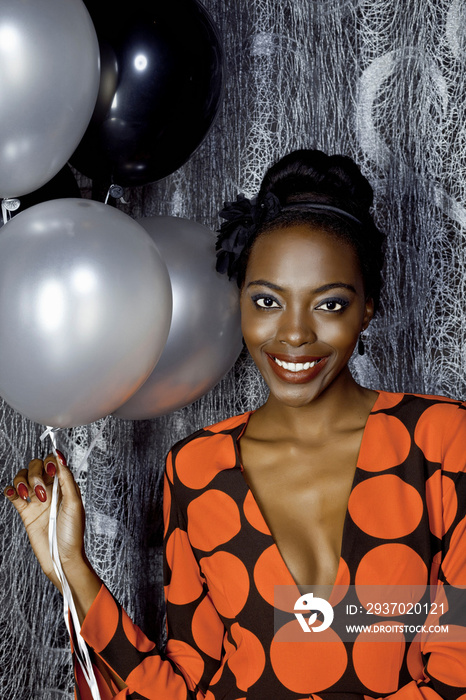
(296, 372)
(296, 366)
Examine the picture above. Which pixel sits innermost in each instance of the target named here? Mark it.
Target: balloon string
(69, 608)
(5, 213)
(84, 459)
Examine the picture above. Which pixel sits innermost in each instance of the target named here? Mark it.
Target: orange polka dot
(447, 662)
(377, 663)
(248, 661)
(153, 672)
(230, 423)
(390, 565)
(462, 697)
(218, 673)
(439, 606)
(253, 514)
(285, 597)
(208, 629)
(137, 638)
(228, 581)
(269, 572)
(387, 399)
(307, 666)
(389, 432)
(188, 660)
(213, 519)
(341, 583)
(167, 502)
(99, 635)
(454, 562)
(102, 682)
(385, 506)
(435, 424)
(169, 467)
(434, 569)
(198, 462)
(414, 660)
(442, 503)
(185, 584)
(430, 694)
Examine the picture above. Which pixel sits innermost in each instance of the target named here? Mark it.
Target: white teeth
(295, 366)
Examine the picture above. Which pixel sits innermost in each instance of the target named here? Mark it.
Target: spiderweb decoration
(380, 80)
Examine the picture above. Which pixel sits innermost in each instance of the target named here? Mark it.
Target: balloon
(161, 85)
(62, 186)
(49, 79)
(205, 334)
(85, 309)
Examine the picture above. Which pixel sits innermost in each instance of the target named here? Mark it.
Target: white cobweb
(380, 80)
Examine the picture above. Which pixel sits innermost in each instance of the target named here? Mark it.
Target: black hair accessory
(243, 219)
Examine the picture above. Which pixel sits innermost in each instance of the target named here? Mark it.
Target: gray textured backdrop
(380, 80)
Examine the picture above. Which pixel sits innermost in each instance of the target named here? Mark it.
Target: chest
(303, 496)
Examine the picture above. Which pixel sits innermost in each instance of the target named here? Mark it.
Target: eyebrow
(319, 290)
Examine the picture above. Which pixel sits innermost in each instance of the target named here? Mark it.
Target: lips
(296, 370)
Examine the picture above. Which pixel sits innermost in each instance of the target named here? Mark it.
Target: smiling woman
(303, 302)
(329, 484)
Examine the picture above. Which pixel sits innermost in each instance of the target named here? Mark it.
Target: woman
(326, 484)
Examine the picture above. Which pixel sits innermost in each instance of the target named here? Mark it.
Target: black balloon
(161, 87)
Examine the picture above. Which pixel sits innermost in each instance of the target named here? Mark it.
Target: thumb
(68, 486)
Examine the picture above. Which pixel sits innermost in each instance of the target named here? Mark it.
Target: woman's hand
(31, 494)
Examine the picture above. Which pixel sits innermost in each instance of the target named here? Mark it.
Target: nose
(296, 327)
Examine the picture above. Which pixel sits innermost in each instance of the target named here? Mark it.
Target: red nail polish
(23, 492)
(40, 493)
(62, 457)
(50, 468)
(10, 493)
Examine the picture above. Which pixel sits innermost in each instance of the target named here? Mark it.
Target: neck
(342, 406)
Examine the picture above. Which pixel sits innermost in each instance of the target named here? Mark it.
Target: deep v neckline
(345, 537)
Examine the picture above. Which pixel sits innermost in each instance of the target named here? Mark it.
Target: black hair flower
(242, 220)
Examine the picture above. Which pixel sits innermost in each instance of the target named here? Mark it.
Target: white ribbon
(81, 650)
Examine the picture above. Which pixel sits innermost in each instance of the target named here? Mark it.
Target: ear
(368, 313)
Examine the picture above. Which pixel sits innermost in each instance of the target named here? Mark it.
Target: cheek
(255, 328)
(340, 334)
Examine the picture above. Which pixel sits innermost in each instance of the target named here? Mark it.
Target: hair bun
(308, 172)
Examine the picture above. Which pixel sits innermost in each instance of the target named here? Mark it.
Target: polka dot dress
(405, 525)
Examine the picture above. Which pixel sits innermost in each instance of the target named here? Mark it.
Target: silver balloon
(85, 310)
(205, 334)
(49, 80)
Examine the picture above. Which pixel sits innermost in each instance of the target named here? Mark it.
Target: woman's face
(303, 307)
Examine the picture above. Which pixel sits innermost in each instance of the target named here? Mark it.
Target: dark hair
(313, 176)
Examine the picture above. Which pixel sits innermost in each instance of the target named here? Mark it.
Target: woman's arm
(185, 667)
(125, 660)
(31, 495)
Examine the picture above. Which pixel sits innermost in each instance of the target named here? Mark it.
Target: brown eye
(266, 302)
(334, 305)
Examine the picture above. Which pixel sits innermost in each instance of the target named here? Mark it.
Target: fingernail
(23, 492)
(40, 493)
(62, 457)
(10, 492)
(50, 468)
